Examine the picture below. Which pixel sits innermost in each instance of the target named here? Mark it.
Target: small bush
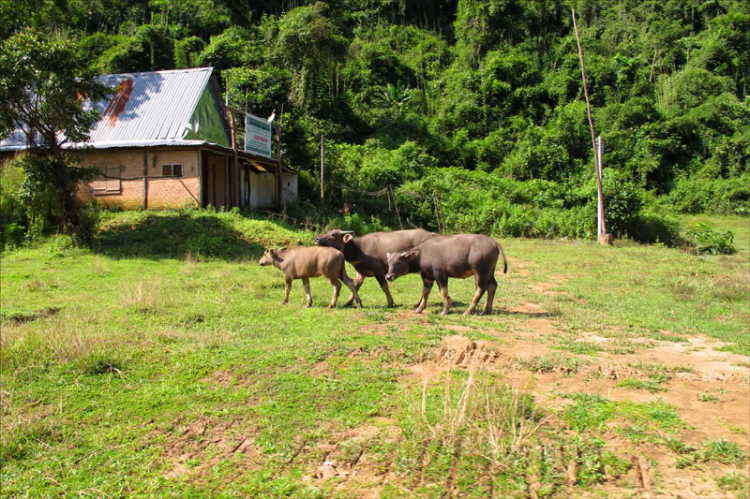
(704, 240)
(12, 235)
(13, 210)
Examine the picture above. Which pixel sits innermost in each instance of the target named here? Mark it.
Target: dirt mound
(460, 351)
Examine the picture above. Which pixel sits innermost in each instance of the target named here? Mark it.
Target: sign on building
(257, 135)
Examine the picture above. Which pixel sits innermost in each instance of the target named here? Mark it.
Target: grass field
(161, 362)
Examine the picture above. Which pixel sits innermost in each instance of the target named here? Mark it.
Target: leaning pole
(604, 238)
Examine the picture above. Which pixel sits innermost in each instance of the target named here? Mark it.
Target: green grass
(136, 366)
(638, 422)
(716, 451)
(637, 384)
(705, 397)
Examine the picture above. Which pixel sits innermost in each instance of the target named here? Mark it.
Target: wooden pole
(278, 159)
(230, 173)
(593, 134)
(322, 167)
(395, 203)
(145, 179)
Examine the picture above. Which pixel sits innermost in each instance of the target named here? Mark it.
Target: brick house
(164, 140)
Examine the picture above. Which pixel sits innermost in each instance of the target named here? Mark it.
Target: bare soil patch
(218, 379)
(528, 309)
(548, 288)
(348, 458)
(459, 351)
(194, 448)
(540, 326)
(697, 368)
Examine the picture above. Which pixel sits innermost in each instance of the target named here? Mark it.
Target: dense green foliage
(445, 95)
(42, 83)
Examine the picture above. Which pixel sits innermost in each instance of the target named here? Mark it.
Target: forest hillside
(478, 104)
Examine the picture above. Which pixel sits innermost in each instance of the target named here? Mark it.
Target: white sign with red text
(257, 136)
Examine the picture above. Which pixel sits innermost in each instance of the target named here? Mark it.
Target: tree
(42, 87)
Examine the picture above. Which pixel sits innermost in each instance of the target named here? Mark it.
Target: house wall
(162, 192)
(289, 187)
(172, 192)
(262, 187)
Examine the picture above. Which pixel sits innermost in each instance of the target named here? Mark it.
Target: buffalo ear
(271, 251)
(348, 237)
(283, 248)
(410, 254)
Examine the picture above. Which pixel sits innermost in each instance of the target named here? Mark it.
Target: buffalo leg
(287, 288)
(447, 302)
(426, 288)
(358, 280)
(352, 287)
(306, 284)
(481, 287)
(384, 286)
(336, 291)
(491, 287)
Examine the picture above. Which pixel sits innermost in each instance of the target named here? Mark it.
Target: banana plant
(396, 95)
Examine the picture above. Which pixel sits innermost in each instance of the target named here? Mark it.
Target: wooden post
(322, 167)
(227, 194)
(395, 203)
(278, 159)
(604, 238)
(232, 172)
(201, 193)
(145, 179)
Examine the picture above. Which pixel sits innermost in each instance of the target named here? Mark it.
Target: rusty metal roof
(146, 109)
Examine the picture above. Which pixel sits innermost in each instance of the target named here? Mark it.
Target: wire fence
(310, 225)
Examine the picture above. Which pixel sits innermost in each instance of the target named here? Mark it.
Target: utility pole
(604, 238)
(600, 230)
(322, 167)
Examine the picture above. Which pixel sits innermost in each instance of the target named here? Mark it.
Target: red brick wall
(162, 193)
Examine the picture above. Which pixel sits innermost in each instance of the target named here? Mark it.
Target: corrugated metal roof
(152, 108)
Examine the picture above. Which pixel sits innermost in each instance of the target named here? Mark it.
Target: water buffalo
(368, 253)
(303, 263)
(441, 257)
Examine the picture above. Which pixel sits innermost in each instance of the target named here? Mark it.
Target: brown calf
(305, 262)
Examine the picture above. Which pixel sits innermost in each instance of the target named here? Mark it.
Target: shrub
(490, 204)
(13, 210)
(703, 240)
(713, 195)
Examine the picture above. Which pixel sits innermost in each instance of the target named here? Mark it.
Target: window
(171, 170)
(109, 183)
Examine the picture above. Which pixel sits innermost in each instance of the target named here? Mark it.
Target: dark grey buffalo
(441, 257)
(368, 253)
